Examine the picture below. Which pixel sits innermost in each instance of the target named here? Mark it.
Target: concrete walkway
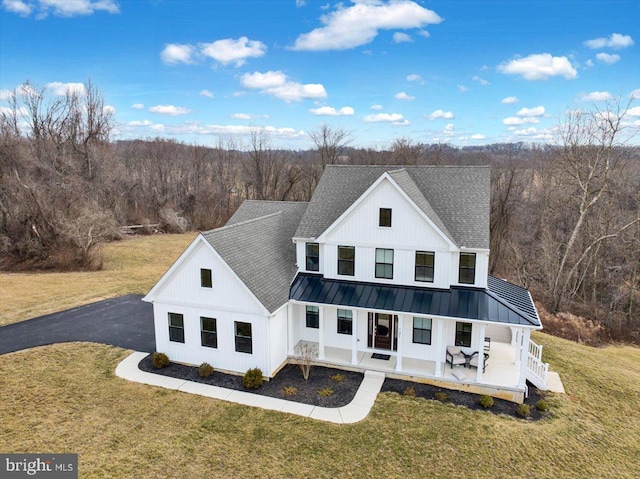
(353, 412)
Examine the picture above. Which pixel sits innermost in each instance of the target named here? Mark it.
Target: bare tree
(305, 354)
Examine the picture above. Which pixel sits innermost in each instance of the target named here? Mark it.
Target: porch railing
(537, 371)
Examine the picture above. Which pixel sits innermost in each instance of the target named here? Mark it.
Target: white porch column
(290, 337)
(516, 341)
(320, 332)
(524, 351)
(483, 328)
(354, 338)
(399, 349)
(438, 341)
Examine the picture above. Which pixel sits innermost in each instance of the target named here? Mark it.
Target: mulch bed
(343, 391)
(288, 377)
(469, 400)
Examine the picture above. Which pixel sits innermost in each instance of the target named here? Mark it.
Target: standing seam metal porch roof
(456, 302)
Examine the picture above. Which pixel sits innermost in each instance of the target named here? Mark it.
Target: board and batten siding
(278, 340)
(228, 301)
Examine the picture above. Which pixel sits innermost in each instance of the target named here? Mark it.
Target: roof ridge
(408, 166)
(277, 201)
(242, 223)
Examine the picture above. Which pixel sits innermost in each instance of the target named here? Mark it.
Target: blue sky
(464, 72)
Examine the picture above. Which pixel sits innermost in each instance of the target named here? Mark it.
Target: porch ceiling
(456, 302)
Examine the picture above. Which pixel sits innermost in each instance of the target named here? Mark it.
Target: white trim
(356, 203)
(151, 295)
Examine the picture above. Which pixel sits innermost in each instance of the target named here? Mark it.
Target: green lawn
(66, 398)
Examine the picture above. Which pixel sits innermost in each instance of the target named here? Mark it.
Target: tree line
(565, 217)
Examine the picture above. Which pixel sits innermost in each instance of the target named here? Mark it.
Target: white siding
(482, 268)
(277, 340)
(409, 232)
(227, 293)
(223, 357)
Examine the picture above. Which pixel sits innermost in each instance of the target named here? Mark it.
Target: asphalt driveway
(126, 321)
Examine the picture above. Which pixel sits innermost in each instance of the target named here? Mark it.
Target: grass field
(66, 398)
(130, 266)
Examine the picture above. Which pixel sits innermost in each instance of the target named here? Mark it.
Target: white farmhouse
(384, 269)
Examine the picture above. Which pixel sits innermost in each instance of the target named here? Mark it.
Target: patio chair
(455, 356)
(473, 362)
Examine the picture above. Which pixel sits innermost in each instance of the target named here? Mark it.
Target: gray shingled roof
(256, 244)
(459, 196)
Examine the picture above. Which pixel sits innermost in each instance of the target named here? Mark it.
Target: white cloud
(403, 96)
(597, 96)
(514, 120)
(61, 89)
(17, 6)
(241, 116)
(440, 114)
(462, 89)
(5, 95)
(528, 112)
(277, 84)
(109, 109)
(169, 110)
(301, 3)
(477, 136)
(359, 24)
(635, 111)
(449, 129)
(330, 111)
(61, 8)
(510, 100)
(206, 93)
(482, 81)
(393, 118)
(526, 131)
(635, 94)
(233, 51)
(424, 33)
(138, 106)
(400, 37)
(414, 77)
(175, 53)
(540, 66)
(608, 58)
(615, 41)
(589, 63)
(140, 123)
(376, 107)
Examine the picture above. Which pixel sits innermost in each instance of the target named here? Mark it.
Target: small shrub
(441, 396)
(410, 391)
(160, 360)
(338, 377)
(290, 391)
(542, 405)
(486, 401)
(252, 379)
(524, 410)
(325, 392)
(205, 370)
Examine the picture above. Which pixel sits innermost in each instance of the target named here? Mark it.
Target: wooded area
(565, 217)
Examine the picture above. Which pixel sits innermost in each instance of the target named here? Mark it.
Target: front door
(382, 331)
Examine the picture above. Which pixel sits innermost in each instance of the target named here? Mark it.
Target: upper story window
(385, 217)
(205, 278)
(176, 327)
(424, 266)
(467, 270)
(384, 263)
(313, 317)
(346, 260)
(313, 257)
